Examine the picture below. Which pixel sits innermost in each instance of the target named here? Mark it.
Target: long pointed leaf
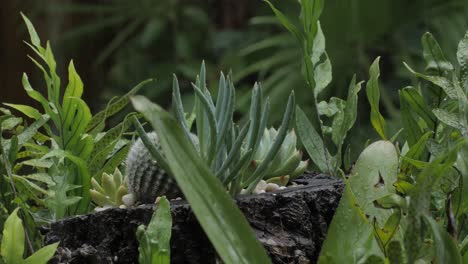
(224, 224)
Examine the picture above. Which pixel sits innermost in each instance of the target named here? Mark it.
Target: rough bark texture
(291, 224)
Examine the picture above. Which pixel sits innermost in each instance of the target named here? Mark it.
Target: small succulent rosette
(110, 191)
(286, 165)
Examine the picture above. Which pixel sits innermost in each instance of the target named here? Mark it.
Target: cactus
(111, 190)
(145, 179)
(287, 163)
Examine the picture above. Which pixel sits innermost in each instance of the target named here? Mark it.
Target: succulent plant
(146, 179)
(287, 162)
(224, 146)
(110, 191)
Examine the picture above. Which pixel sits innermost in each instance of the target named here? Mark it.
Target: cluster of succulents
(248, 159)
(286, 165)
(110, 191)
(241, 157)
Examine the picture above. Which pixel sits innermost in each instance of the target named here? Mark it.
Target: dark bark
(291, 224)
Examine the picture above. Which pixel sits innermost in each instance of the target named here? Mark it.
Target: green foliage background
(132, 41)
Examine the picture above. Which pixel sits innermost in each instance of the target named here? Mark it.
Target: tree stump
(291, 224)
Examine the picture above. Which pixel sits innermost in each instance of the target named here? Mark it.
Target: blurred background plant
(132, 41)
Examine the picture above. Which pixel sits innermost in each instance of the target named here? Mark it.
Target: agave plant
(227, 148)
(110, 191)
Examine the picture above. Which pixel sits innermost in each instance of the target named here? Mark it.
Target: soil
(291, 224)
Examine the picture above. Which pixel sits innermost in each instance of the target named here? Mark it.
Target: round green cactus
(110, 191)
(145, 179)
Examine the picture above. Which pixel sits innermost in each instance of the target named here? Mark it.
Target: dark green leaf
(373, 95)
(220, 218)
(435, 59)
(312, 141)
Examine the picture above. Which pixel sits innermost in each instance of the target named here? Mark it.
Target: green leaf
(35, 40)
(373, 95)
(222, 221)
(371, 178)
(178, 106)
(392, 201)
(435, 59)
(418, 105)
(156, 238)
(12, 247)
(260, 171)
(322, 76)
(43, 255)
(286, 23)
(319, 45)
(462, 56)
(441, 82)
(312, 141)
(385, 234)
(415, 152)
(29, 111)
(450, 119)
(115, 107)
(420, 199)
(73, 92)
(340, 129)
(446, 251)
(347, 214)
(410, 123)
(31, 130)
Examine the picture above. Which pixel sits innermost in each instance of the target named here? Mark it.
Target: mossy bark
(291, 224)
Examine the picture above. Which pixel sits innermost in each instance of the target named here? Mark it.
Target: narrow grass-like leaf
(208, 111)
(220, 100)
(220, 218)
(155, 152)
(373, 95)
(178, 106)
(225, 117)
(255, 116)
(235, 150)
(286, 23)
